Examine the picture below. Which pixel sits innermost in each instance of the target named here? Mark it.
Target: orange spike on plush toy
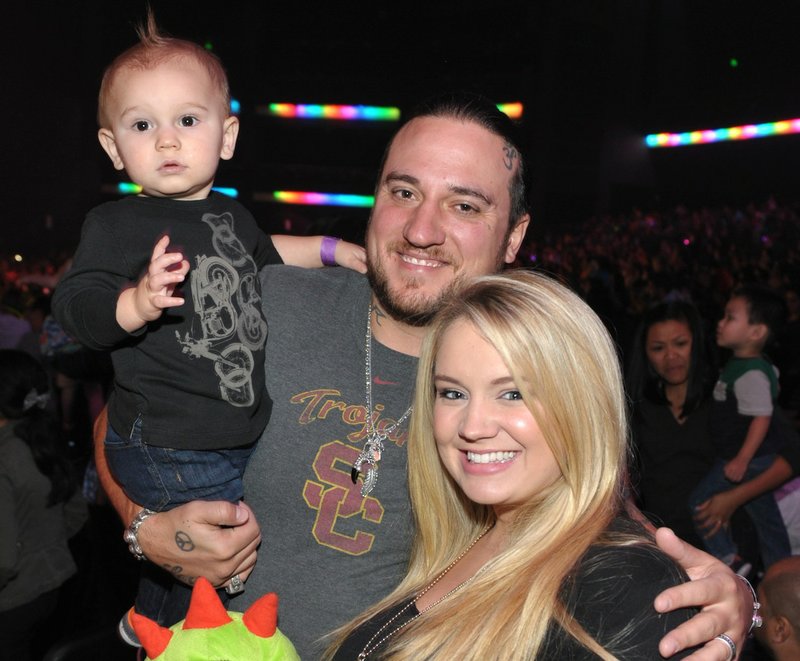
(262, 617)
(205, 609)
(211, 632)
(154, 637)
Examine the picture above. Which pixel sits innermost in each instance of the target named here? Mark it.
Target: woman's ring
(237, 586)
(731, 645)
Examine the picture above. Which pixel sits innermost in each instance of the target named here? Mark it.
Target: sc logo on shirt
(339, 502)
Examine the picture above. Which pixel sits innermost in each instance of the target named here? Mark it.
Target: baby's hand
(735, 469)
(351, 256)
(154, 291)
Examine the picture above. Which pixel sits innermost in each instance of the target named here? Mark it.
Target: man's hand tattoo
(177, 572)
(183, 541)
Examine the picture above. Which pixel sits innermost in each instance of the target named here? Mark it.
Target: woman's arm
(611, 595)
(717, 510)
(726, 603)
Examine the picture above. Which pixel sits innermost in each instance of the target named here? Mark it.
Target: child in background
(189, 398)
(742, 426)
(779, 594)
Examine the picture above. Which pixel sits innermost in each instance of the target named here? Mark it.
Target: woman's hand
(202, 538)
(735, 469)
(716, 512)
(725, 601)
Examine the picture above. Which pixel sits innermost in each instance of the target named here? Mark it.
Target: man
(342, 350)
(779, 594)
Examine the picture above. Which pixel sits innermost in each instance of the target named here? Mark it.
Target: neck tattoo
(369, 650)
(373, 447)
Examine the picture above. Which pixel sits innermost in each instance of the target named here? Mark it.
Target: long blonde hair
(566, 367)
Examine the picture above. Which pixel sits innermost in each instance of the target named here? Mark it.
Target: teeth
(420, 262)
(490, 457)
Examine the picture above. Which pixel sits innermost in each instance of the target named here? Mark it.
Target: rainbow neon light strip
(309, 111)
(513, 110)
(322, 199)
(746, 132)
(128, 188)
(368, 113)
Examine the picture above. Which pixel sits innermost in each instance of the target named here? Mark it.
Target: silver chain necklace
(369, 650)
(373, 447)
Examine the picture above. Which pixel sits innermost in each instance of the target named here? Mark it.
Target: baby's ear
(109, 145)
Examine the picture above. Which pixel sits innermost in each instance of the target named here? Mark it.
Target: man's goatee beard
(418, 315)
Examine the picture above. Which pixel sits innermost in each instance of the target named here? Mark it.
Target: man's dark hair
(470, 107)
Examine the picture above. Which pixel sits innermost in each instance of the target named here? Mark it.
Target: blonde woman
(516, 464)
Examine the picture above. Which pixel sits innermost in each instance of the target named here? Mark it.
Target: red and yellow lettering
(336, 497)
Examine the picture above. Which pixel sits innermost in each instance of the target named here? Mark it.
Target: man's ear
(515, 238)
(230, 131)
(109, 145)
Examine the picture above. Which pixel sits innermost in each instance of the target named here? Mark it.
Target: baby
(189, 398)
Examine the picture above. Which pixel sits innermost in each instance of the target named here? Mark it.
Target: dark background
(595, 76)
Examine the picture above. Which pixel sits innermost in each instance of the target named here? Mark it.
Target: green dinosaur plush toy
(210, 633)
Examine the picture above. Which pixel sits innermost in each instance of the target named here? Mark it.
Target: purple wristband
(327, 251)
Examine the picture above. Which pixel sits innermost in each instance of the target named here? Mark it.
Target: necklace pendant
(370, 480)
(366, 458)
(361, 459)
(370, 455)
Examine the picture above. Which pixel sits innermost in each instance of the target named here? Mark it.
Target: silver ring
(237, 586)
(731, 645)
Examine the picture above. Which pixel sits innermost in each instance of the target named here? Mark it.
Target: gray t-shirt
(327, 552)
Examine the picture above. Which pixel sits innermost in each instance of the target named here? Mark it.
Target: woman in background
(670, 377)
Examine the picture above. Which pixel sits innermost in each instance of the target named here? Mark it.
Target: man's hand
(212, 539)
(146, 301)
(727, 605)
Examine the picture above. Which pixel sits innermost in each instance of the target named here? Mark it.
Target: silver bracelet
(756, 622)
(130, 533)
